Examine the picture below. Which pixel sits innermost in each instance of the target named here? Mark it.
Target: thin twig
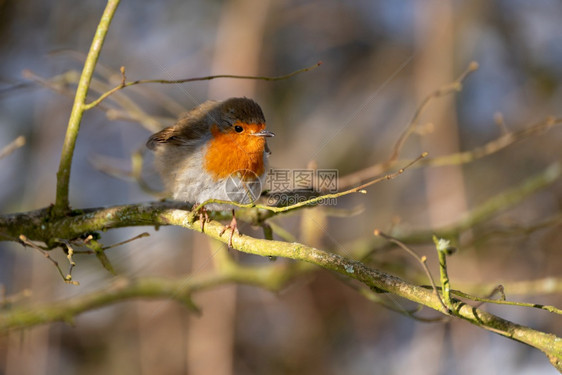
(497, 289)
(12, 146)
(514, 230)
(454, 86)
(131, 111)
(422, 260)
(548, 308)
(142, 235)
(312, 201)
(27, 242)
(124, 84)
(495, 145)
(491, 207)
(56, 83)
(379, 168)
(69, 254)
(464, 157)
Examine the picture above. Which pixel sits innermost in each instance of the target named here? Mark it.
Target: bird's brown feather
(196, 124)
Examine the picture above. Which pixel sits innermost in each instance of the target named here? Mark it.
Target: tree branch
(367, 173)
(272, 277)
(163, 213)
(63, 175)
(363, 248)
(12, 146)
(124, 84)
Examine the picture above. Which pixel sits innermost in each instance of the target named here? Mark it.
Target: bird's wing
(192, 127)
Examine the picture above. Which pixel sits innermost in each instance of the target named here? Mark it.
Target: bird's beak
(264, 133)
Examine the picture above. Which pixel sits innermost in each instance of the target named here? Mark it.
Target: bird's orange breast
(229, 152)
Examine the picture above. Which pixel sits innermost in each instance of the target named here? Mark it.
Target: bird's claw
(203, 216)
(233, 226)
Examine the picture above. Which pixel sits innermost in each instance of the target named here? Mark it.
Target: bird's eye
(238, 129)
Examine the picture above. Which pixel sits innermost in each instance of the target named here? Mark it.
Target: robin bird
(216, 151)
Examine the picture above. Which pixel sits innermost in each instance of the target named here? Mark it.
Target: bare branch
(313, 201)
(369, 172)
(63, 175)
(12, 146)
(160, 214)
(67, 278)
(194, 79)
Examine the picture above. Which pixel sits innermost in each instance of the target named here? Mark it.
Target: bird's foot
(233, 226)
(203, 216)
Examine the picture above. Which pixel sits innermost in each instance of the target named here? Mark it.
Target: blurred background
(380, 60)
